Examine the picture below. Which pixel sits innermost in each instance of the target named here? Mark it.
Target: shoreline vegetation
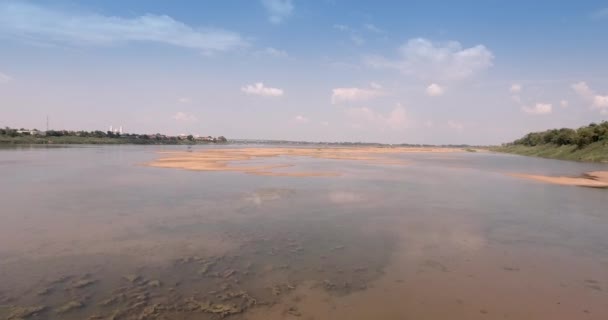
(588, 143)
(9, 136)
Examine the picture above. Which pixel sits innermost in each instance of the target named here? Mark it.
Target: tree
(190, 138)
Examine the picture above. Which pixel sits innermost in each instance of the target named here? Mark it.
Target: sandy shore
(594, 179)
(240, 159)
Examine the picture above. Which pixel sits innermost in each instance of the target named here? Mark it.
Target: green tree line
(580, 137)
(114, 136)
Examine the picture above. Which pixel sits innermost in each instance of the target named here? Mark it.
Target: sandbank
(594, 179)
(244, 160)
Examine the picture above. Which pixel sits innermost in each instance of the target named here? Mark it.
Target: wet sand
(239, 159)
(594, 179)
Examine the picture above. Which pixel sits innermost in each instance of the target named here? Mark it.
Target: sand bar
(244, 159)
(594, 179)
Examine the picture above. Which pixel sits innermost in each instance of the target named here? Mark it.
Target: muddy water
(88, 233)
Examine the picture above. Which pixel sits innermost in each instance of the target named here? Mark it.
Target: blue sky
(478, 72)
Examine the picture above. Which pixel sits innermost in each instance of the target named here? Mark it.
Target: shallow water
(88, 232)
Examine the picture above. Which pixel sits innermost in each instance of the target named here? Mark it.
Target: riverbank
(595, 152)
(23, 140)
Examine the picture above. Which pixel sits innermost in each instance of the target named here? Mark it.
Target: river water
(91, 233)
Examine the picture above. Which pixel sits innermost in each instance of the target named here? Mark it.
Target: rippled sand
(239, 160)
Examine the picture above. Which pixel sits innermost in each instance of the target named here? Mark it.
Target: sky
(434, 72)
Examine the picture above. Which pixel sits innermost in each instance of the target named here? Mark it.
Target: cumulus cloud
(597, 101)
(396, 119)
(301, 119)
(184, 100)
(564, 103)
(259, 89)
(339, 95)
(32, 22)
(185, 117)
(278, 10)
(4, 78)
(453, 124)
(583, 90)
(434, 90)
(538, 109)
(433, 60)
(600, 102)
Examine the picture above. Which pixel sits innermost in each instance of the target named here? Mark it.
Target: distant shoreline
(4, 140)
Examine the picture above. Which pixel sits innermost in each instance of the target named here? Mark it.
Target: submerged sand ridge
(239, 159)
(594, 179)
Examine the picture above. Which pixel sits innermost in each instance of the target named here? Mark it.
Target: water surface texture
(92, 233)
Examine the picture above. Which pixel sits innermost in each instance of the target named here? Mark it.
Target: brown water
(88, 233)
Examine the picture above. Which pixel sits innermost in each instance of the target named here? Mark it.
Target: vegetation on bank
(588, 143)
(24, 136)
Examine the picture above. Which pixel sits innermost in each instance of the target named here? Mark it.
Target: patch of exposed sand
(594, 179)
(239, 159)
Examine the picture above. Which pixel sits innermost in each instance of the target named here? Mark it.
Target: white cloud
(434, 90)
(430, 60)
(301, 119)
(583, 90)
(453, 124)
(4, 78)
(186, 117)
(396, 119)
(597, 101)
(372, 28)
(342, 27)
(21, 19)
(270, 51)
(278, 10)
(515, 88)
(354, 34)
(184, 100)
(259, 89)
(356, 94)
(324, 123)
(538, 109)
(375, 85)
(564, 103)
(600, 102)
